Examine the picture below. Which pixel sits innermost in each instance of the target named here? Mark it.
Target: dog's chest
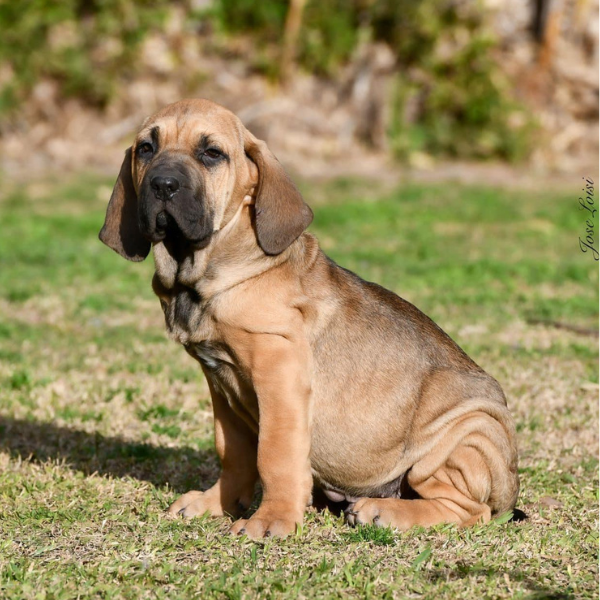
(225, 376)
(188, 318)
(213, 356)
(192, 322)
(207, 354)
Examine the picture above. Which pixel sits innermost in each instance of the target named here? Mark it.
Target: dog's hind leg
(466, 472)
(441, 499)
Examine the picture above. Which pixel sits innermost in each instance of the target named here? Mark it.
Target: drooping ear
(121, 231)
(281, 213)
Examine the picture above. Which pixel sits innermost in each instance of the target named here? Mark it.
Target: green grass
(103, 421)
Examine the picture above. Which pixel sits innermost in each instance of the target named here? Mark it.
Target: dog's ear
(281, 213)
(121, 230)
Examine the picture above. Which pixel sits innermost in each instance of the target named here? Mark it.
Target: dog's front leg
(236, 446)
(281, 379)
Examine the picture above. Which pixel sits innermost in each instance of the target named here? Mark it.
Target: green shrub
(449, 95)
(263, 19)
(450, 82)
(84, 45)
(331, 31)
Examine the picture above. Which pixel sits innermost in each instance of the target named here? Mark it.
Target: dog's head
(189, 169)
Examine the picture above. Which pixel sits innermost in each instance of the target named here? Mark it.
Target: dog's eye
(145, 150)
(212, 153)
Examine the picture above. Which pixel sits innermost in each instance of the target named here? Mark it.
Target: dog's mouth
(162, 222)
(168, 229)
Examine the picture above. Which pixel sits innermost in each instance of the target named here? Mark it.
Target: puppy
(317, 378)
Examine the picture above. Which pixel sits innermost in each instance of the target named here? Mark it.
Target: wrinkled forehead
(189, 123)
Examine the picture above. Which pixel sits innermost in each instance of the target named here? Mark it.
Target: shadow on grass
(181, 468)
(536, 591)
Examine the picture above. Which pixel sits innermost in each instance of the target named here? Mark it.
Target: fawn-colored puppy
(317, 377)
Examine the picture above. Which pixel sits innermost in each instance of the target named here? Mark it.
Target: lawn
(103, 421)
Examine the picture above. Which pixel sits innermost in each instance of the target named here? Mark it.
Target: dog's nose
(164, 187)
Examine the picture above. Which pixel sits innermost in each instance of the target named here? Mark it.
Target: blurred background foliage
(443, 61)
(448, 96)
(83, 44)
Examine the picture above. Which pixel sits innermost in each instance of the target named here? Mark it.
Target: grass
(103, 421)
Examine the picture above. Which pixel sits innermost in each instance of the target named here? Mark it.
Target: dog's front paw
(265, 525)
(196, 504)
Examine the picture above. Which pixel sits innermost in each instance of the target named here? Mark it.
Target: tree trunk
(291, 33)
